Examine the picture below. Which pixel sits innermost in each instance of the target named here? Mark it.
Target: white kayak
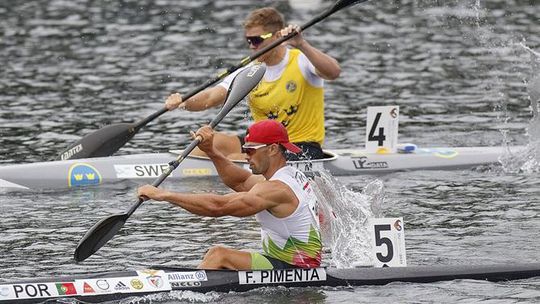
(340, 162)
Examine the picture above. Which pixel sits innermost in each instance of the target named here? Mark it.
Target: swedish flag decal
(83, 175)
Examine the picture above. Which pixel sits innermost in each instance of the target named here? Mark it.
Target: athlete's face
(257, 38)
(257, 156)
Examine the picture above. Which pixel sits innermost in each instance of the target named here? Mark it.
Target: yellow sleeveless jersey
(293, 101)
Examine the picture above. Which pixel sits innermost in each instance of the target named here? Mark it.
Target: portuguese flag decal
(66, 289)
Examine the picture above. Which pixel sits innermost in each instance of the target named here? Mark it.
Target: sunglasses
(257, 40)
(250, 150)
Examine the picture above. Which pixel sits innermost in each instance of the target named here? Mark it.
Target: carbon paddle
(107, 140)
(105, 229)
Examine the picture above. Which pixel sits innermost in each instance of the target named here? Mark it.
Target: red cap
(270, 132)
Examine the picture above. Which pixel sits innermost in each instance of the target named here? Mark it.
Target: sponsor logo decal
(364, 163)
(143, 282)
(186, 284)
(137, 284)
(81, 174)
(253, 70)
(69, 153)
(66, 289)
(121, 286)
(188, 276)
(201, 275)
(87, 288)
(282, 276)
(103, 285)
(155, 281)
(187, 279)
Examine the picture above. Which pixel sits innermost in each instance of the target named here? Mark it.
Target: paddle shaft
(175, 163)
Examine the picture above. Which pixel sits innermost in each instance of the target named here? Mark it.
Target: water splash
(344, 219)
(528, 161)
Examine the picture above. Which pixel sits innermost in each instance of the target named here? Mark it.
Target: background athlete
(291, 91)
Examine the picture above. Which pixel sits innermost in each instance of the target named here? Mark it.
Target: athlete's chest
(281, 93)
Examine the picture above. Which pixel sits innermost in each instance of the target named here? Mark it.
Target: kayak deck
(109, 286)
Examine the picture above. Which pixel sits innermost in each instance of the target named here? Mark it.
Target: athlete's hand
(298, 40)
(206, 137)
(150, 192)
(174, 101)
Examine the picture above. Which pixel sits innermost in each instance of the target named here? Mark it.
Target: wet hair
(267, 17)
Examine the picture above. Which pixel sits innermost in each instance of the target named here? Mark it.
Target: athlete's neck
(277, 56)
(274, 167)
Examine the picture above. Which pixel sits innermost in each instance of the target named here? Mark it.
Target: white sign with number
(382, 129)
(388, 240)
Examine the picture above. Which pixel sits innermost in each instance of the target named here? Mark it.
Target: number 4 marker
(382, 129)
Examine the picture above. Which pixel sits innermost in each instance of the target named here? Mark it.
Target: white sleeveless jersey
(294, 239)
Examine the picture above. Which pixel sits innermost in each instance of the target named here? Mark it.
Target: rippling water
(459, 71)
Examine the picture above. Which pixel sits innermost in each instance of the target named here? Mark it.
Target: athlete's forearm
(199, 204)
(327, 67)
(232, 175)
(205, 99)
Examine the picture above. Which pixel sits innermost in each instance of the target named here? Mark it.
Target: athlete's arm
(203, 100)
(234, 176)
(326, 66)
(240, 204)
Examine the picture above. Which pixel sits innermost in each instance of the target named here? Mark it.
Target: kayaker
(279, 196)
(291, 91)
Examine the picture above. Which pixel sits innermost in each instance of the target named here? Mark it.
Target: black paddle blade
(103, 142)
(98, 235)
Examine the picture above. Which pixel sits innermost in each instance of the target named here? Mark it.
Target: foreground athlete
(279, 196)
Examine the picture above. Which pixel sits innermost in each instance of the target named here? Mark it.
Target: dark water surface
(459, 70)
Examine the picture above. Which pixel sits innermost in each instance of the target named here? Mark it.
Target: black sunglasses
(257, 40)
